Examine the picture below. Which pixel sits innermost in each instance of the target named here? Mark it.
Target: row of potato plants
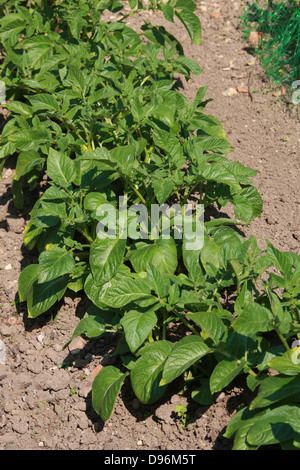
(96, 107)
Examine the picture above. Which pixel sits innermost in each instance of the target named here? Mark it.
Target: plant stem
(284, 342)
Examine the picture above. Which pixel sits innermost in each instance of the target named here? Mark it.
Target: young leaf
(26, 279)
(224, 372)
(161, 253)
(54, 263)
(252, 319)
(44, 295)
(146, 374)
(210, 323)
(278, 425)
(137, 327)
(274, 389)
(105, 389)
(186, 352)
(106, 257)
(60, 168)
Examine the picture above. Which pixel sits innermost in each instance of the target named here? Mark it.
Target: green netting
(279, 48)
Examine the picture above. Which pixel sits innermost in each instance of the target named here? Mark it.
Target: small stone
(96, 371)
(243, 89)
(255, 37)
(216, 14)
(40, 338)
(9, 266)
(139, 443)
(251, 62)
(2, 352)
(76, 345)
(230, 92)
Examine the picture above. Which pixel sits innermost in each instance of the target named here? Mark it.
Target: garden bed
(45, 391)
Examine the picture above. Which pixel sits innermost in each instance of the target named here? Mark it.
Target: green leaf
(223, 374)
(161, 253)
(147, 372)
(253, 319)
(210, 323)
(106, 257)
(274, 389)
(202, 394)
(281, 260)
(284, 364)
(26, 279)
(91, 325)
(186, 352)
(28, 161)
(192, 24)
(137, 327)
(44, 295)
(93, 200)
(54, 263)
(278, 425)
(43, 101)
(105, 389)
(60, 168)
(127, 291)
(248, 204)
(19, 108)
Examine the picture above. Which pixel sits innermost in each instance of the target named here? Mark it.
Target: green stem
(284, 342)
(137, 193)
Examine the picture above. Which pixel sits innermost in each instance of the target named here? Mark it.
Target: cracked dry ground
(46, 406)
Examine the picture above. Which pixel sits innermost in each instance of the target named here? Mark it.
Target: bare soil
(45, 391)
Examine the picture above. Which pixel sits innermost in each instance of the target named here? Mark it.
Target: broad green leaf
(44, 295)
(26, 279)
(43, 101)
(106, 257)
(60, 168)
(253, 319)
(147, 372)
(161, 253)
(137, 327)
(105, 389)
(192, 24)
(185, 353)
(91, 325)
(158, 281)
(223, 374)
(19, 108)
(248, 204)
(93, 200)
(127, 291)
(278, 425)
(28, 161)
(284, 364)
(54, 263)
(202, 394)
(274, 389)
(210, 323)
(281, 260)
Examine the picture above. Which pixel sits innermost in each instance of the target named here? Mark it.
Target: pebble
(242, 89)
(2, 352)
(230, 92)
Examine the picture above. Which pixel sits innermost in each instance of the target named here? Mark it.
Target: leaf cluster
(95, 108)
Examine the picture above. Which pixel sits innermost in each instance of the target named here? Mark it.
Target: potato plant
(95, 107)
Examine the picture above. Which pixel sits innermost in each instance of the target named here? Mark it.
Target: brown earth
(45, 391)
